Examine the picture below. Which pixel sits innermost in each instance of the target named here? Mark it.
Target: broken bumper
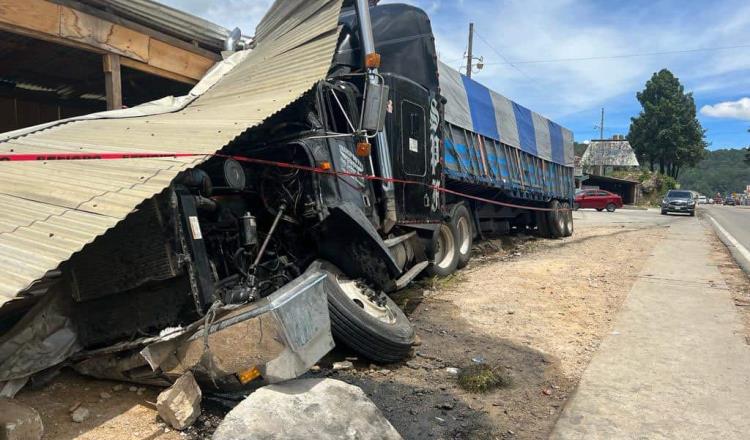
(276, 338)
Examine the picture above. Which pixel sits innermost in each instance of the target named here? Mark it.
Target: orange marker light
(364, 149)
(372, 60)
(325, 166)
(248, 375)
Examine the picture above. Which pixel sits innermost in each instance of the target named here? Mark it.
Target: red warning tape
(115, 156)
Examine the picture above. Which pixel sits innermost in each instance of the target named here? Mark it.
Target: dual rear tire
(452, 244)
(557, 222)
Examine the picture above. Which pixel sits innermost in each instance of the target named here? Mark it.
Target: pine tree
(667, 132)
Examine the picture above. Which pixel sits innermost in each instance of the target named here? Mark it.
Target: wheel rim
(559, 218)
(446, 247)
(463, 233)
(363, 297)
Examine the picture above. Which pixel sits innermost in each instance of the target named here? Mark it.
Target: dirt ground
(533, 309)
(737, 281)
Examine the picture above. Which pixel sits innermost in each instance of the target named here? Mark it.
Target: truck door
(412, 133)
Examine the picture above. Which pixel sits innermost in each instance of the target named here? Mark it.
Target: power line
(612, 57)
(506, 61)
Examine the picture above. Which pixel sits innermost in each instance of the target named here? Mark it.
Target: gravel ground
(534, 310)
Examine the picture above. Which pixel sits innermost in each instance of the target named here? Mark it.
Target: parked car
(678, 201)
(597, 199)
(702, 200)
(729, 201)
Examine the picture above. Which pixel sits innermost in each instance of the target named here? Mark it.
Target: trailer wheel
(444, 250)
(568, 216)
(556, 220)
(367, 321)
(542, 224)
(462, 221)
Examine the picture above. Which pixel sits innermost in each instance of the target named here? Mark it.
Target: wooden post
(112, 80)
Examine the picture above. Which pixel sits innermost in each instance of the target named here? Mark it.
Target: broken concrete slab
(19, 421)
(305, 409)
(180, 404)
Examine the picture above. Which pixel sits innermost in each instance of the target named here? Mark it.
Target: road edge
(739, 252)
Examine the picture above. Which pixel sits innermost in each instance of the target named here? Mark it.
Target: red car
(597, 199)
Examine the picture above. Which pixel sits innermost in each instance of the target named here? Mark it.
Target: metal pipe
(262, 250)
(384, 154)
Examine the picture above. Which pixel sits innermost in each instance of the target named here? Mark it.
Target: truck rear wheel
(461, 220)
(556, 220)
(568, 216)
(542, 224)
(444, 249)
(367, 321)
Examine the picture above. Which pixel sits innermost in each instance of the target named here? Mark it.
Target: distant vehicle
(597, 199)
(711, 201)
(678, 201)
(718, 200)
(729, 201)
(702, 200)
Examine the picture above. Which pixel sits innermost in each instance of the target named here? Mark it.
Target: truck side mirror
(374, 108)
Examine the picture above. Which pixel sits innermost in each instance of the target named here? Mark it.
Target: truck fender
(348, 239)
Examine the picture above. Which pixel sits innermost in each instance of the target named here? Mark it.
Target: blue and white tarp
(476, 108)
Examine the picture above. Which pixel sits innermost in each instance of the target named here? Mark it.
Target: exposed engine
(252, 224)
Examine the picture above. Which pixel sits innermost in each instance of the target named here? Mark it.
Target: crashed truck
(236, 232)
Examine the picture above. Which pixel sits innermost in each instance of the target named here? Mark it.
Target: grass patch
(482, 378)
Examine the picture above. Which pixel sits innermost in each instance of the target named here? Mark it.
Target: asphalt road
(736, 222)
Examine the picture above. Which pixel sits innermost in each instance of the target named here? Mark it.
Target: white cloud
(739, 109)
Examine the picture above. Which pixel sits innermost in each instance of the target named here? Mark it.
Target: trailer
(245, 256)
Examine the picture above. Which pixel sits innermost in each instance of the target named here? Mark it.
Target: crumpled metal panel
(52, 209)
(611, 153)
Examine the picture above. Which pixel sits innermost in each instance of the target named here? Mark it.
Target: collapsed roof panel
(52, 209)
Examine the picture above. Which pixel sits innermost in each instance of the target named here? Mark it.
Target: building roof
(610, 152)
(53, 208)
(165, 19)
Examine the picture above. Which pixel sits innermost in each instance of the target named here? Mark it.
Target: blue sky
(527, 46)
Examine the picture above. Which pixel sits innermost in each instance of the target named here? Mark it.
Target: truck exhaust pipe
(384, 155)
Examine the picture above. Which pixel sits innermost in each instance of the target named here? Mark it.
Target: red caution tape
(115, 156)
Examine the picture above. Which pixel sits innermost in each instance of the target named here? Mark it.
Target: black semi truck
(387, 170)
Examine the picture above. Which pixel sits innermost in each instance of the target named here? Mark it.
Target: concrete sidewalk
(676, 365)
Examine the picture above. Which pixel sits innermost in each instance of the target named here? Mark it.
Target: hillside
(721, 171)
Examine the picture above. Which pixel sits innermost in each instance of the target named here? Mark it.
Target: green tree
(667, 132)
(747, 153)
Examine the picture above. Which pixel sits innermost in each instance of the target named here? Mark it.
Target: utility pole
(601, 126)
(469, 54)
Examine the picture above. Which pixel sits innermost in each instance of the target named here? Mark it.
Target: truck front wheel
(444, 250)
(367, 321)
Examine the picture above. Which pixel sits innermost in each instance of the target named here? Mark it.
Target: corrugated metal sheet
(610, 153)
(168, 20)
(52, 209)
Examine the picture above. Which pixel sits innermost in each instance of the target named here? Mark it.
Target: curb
(739, 252)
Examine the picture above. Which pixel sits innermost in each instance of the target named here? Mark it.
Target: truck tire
(462, 221)
(556, 220)
(368, 322)
(444, 251)
(542, 224)
(568, 216)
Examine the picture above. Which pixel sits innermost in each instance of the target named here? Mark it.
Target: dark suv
(678, 201)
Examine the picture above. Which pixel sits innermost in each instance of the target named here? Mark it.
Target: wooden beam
(112, 81)
(143, 67)
(64, 25)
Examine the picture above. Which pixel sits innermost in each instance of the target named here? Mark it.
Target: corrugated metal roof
(52, 209)
(166, 19)
(615, 152)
